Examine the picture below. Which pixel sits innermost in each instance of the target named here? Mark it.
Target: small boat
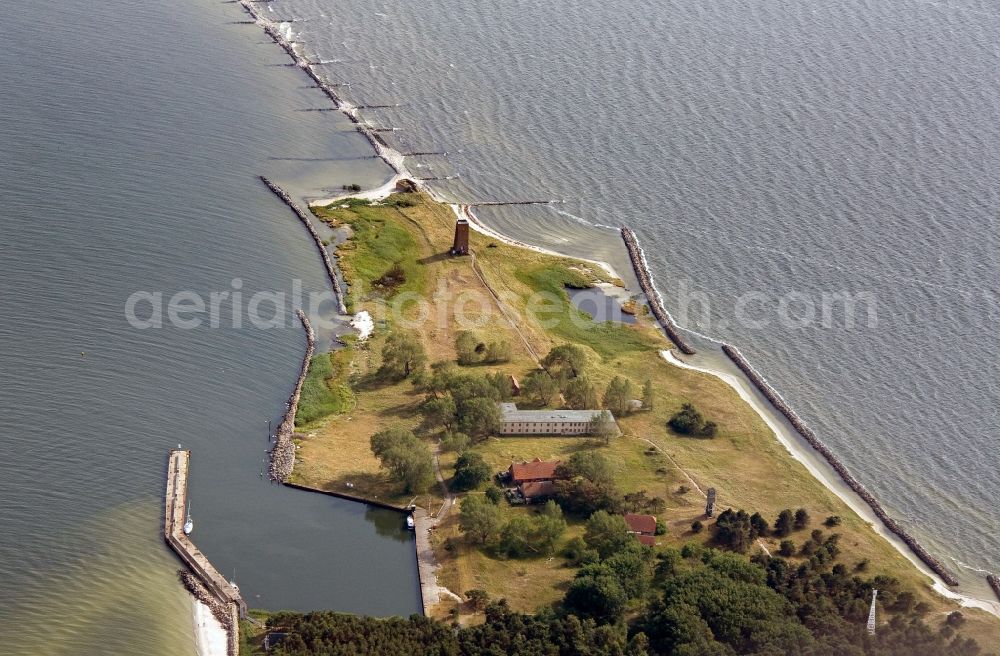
(409, 522)
(188, 523)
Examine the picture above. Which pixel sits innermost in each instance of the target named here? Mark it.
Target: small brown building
(643, 527)
(533, 472)
(536, 491)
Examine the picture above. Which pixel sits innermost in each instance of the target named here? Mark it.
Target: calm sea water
(131, 136)
(772, 147)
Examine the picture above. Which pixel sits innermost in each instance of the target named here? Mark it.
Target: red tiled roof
(537, 489)
(641, 523)
(647, 540)
(533, 471)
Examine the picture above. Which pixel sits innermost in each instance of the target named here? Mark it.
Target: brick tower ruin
(461, 246)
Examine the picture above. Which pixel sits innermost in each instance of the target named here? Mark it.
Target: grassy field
(492, 293)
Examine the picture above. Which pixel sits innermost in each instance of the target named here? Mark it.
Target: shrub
(787, 548)
(801, 518)
(783, 525)
(478, 599)
(832, 520)
(689, 421)
(697, 526)
(494, 494)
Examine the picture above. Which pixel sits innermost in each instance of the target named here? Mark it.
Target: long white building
(547, 422)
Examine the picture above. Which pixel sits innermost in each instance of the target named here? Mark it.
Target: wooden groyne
(283, 452)
(221, 596)
(646, 284)
(270, 28)
(307, 222)
(807, 433)
(994, 582)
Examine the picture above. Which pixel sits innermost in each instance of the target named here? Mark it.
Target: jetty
(638, 259)
(214, 590)
(307, 222)
(809, 436)
(283, 452)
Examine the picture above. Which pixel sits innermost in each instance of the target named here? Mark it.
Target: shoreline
(797, 444)
(801, 451)
(209, 635)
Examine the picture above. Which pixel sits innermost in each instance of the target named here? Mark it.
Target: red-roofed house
(534, 471)
(642, 527)
(536, 491)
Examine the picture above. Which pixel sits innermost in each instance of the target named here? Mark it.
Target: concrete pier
(173, 532)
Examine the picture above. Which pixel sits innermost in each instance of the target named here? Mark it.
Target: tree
(516, 537)
(568, 358)
(686, 421)
(787, 548)
(494, 494)
(759, 524)
(801, 519)
(832, 520)
(549, 526)
(606, 533)
(402, 355)
(480, 417)
(477, 598)
(589, 464)
(618, 395)
(647, 395)
(468, 348)
(631, 567)
(498, 351)
(733, 530)
(580, 394)
(603, 426)
(783, 525)
(582, 497)
(455, 442)
(478, 519)
(697, 526)
(407, 458)
(540, 386)
(439, 411)
(470, 471)
(596, 597)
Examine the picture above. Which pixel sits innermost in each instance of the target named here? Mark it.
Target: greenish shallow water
(131, 136)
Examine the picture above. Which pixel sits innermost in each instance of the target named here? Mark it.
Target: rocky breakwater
(307, 222)
(646, 283)
(283, 452)
(793, 418)
(994, 582)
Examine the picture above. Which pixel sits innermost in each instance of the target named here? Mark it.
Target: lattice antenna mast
(871, 614)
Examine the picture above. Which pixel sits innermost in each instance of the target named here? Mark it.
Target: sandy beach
(210, 637)
(823, 473)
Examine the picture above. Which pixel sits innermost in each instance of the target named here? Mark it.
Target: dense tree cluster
(463, 401)
(481, 521)
(697, 602)
(585, 484)
(502, 633)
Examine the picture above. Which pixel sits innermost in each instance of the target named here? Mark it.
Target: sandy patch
(210, 637)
